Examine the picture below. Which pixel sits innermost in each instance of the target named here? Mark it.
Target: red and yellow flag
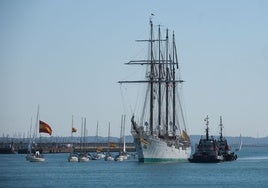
(44, 128)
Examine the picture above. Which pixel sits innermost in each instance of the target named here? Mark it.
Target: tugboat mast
(221, 128)
(207, 122)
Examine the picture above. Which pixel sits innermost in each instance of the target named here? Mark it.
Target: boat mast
(124, 137)
(151, 78)
(84, 139)
(97, 133)
(174, 84)
(159, 78)
(121, 131)
(167, 83)
(81, 139)
(108, 150)
(36, 129)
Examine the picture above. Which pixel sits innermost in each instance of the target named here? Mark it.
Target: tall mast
(97, 132)
(159, 78)
(124, 138)
(108, 139)
(37, 123)
(121, 131)
(151, 79)
(174, 84)
(81, 139)
(84, 139)
(167, 83)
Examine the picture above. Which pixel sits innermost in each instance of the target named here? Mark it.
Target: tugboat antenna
(207, 122)
(221, 128)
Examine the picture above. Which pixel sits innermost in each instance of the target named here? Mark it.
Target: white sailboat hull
(83, 159)
(33, 158)
(154, 149)
(73, 158)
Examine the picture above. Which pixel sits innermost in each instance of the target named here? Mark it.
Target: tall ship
(160, 132)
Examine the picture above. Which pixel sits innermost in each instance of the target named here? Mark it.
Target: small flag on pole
(74, 130)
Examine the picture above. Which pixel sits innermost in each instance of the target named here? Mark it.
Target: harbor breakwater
(66, 148)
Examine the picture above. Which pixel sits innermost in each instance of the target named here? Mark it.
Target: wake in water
(254, 158)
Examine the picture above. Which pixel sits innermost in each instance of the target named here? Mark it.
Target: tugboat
(207, 150)
(223, 146)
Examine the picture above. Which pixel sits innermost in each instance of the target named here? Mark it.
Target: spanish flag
(74, 130)
(44, 128)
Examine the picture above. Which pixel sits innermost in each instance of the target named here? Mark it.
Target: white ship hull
(154, 149)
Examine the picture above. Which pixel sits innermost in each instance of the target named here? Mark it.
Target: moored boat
(108, 155)
(73, 157)
(83, 156)
(34, 152)
(123, 155)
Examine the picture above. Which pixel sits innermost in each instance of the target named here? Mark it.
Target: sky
(67, 56)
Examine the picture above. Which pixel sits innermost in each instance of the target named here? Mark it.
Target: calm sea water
(250, 170)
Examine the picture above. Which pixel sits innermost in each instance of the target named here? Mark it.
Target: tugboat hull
(206, 159)
(230, 157)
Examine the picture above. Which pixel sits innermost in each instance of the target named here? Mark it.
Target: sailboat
(240, 143)
(108, 156)
(160, 134)
(73, 157)
(83, 156)
(34, 153)
(98, 154)
(123, 155)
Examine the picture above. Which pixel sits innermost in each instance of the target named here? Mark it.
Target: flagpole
(72, 133)
(36, 123)
(72, 127)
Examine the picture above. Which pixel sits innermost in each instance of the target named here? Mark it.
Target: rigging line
(179, 99)
(122, 98)
(145, 103)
